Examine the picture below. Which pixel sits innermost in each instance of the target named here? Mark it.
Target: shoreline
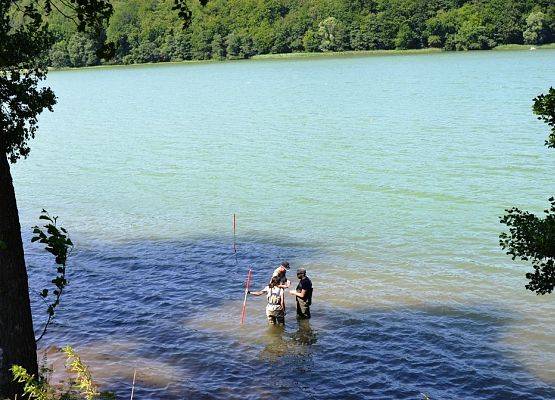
(330, 54)
(348, 53)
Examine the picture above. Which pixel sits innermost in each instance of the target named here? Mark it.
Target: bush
(218, 47)
(537, 28)
(434, 41)
(371, 33)
(59, 56)
(147, 52)
(406, 38)
(332, 35)
(233, 42)
(310, 41)
(473, 36)
(82, 51)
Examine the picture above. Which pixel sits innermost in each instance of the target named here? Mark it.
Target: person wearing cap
(303, 294)
(280, 272)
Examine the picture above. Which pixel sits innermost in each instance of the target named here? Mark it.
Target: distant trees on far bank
(150, 31)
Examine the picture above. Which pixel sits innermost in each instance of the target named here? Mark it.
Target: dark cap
(301, 271)
(285, 265)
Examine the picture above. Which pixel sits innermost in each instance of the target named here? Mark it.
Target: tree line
(150, 31)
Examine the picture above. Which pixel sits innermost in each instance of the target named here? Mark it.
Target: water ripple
(171, 312)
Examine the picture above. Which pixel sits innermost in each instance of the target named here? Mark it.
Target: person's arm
(301, 294)
(258, 293)
(282, 300)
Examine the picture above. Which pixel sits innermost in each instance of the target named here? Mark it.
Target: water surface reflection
(171, 310)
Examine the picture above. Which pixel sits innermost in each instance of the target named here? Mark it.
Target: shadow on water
(170, 310)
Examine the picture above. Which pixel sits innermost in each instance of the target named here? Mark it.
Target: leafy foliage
(151, 31)
(58, 243)
(531, 238)
(537, 28)
(83, 381)
(544, 107)
(26, 41)
(32, 388)
(81, 385)
(331, 35)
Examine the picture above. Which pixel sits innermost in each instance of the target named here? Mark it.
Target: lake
(383, 176)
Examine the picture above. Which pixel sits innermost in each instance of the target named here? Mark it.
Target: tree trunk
(17, 338)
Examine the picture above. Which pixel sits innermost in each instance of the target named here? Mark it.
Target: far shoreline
(315, 55)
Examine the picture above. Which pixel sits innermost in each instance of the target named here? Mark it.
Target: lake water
(383, 176)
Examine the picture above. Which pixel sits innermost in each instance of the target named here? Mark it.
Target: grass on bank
(338, 54)
(363, 53)
(349, 53)
(525, 47)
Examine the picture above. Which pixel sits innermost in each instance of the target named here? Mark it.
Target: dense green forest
(150, 31)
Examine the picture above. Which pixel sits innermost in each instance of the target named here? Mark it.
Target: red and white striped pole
(247, 286)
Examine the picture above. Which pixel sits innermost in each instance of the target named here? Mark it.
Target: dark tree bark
(17, 338)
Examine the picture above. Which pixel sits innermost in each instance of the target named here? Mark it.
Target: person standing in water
(275, 309)
(280, 272)
(303, 294)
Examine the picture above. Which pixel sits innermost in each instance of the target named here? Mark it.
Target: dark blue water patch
(149, 294)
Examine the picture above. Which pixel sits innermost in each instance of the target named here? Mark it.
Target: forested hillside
(149, 31)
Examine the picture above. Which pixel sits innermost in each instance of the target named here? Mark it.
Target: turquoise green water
(383, 176)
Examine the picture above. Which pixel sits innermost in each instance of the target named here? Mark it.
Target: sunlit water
(384, 177)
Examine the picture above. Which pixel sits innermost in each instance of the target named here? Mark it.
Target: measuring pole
(247, 285)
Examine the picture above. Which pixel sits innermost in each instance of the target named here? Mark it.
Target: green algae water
(384, 177)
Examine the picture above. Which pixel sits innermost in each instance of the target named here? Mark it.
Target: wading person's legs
(303, 310)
